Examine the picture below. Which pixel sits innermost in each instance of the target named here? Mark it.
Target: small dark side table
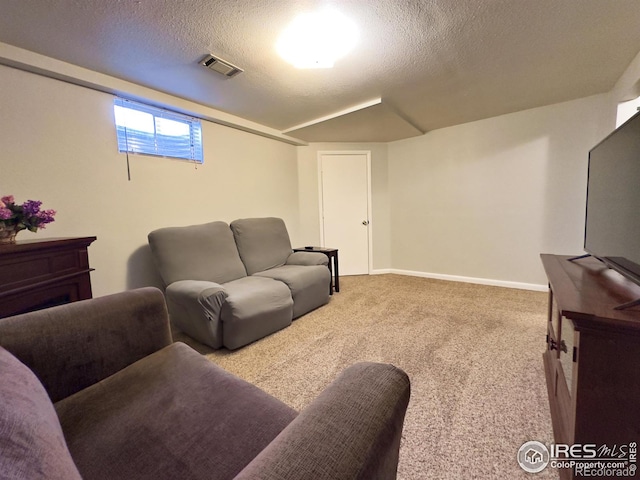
(332, 253)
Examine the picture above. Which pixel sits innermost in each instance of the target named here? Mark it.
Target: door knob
(365, 222)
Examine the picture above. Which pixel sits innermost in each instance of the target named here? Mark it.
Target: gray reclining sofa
(229, 285)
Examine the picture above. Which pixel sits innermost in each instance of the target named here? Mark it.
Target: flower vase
(8, 234)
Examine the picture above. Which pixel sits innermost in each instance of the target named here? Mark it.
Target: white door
(345, 208)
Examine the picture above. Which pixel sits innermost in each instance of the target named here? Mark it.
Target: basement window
(626, 110)
(148, 130)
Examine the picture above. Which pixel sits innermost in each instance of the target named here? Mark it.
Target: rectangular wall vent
(221, 66)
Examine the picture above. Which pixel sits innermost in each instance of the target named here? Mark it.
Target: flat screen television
(612, 227)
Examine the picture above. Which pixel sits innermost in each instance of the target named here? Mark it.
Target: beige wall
(475, 201)
(309, 195)
(482, 200)
(59, 146)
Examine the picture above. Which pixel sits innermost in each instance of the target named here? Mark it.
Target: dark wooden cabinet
(592, 355)
(36, 274)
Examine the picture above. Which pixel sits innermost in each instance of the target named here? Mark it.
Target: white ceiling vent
(221, 66)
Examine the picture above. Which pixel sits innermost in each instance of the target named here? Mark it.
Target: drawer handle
(563, 346)
(553, 345)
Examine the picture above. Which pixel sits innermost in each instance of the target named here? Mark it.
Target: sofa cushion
(263, 243)
(255, 307)
(173, 414)
(197, 252)
(32, 445)
(62, 346)
(309, 285)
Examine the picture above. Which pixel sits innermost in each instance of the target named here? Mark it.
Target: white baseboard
(455, 278)
(380, 271)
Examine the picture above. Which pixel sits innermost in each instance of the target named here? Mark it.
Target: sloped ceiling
(431, 63)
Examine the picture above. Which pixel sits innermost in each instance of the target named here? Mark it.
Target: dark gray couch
(231, 285)
(97, 390)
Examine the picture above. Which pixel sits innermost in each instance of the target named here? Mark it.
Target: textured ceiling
(433, 63)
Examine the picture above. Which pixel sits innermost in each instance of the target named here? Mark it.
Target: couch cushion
(197, 252)
(32, 445)
(309, 285)
(74, 345)
(263, 243)
(173, 414)
(255, 307)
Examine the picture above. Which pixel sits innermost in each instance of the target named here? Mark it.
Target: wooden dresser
(36, 274)
(592, 355)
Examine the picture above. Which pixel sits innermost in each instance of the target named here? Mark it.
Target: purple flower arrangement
(27, 216)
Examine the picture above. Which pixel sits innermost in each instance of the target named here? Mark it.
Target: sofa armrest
(72, 346)
(195, 307)
(198, 297)
(351, 431)
(307, 258)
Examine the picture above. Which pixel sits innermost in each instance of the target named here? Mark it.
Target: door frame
(369, 197)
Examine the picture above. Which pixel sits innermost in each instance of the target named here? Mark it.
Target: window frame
(155, 144)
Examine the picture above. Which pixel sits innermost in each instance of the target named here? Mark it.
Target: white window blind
(154, 131)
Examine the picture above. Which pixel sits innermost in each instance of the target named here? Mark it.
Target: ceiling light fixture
(317, 40)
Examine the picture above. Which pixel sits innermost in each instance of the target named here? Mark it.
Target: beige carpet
(473, 353)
